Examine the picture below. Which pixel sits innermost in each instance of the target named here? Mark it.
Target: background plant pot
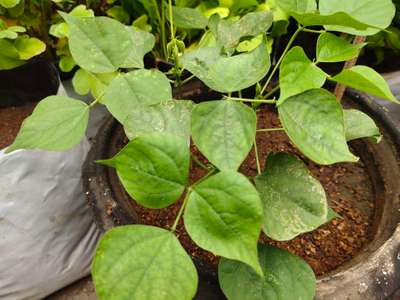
(372, 274)
(31, 82)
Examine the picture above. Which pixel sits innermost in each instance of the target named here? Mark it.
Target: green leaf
(360, 125)
(223, 216)
(66, 63)
(142, 262)
(153, 168)
(375, 13)
(294, 202)
(137, 88)
(117, 12)
(338, 18)
(169, 116)
(98, 44)
(29, 47)
(331, 48)
(56, 124)
(224, 132)
(367, 80)
(9, 3)
(297, 68)
(85, 82)
(314, 122)
(188, 18)
(332, 215)
(241, 4)
(228, 74)
(9, 56)
(298, 6)
(286, 277)
(143, 42)
(229, 32)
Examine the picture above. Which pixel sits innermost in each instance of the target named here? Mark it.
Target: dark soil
(10, 121)
(349, 192)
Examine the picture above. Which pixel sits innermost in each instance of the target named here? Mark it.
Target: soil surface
(348, 188)
(10, 121)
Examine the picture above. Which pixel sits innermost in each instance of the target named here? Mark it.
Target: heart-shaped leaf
(314, 122)
(286, 277)
(224, 131)
(153, 168)
(56, 124)
(99, 44)
(331, 48)
(378, 14)
(137, 88)
(294, 202)
(169, 116)
(297, 68)
(365, 79)
(188, 18)
(228, 73)
(223, 215)
(360, 125)
(252, 24)
(142, 262)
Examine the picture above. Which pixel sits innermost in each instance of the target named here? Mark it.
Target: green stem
(272, 92)
(199, 163)
(181, 209)
(251, 100)
(163, 35)
(269, 129)
(313, 31)
(187, 79)
(212, 172)
(171, 19)
(257, 158)
(299, 29)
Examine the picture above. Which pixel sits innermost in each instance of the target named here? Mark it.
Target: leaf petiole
(268, 101)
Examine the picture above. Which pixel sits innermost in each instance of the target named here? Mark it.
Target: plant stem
(187, 79)
(271, 101)
(181, 209)
(270, 129)
(160, 22)
(257, 158)
(292, 39)
(271, 92)
(163, 37)
(341, 88)
(313, 31)
(199, 163)
(171, 19)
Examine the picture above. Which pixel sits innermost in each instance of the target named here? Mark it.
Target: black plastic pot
(31, 82)
(374, 273)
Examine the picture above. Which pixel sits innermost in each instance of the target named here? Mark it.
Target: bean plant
(224, 212)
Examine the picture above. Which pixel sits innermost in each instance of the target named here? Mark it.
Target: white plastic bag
(47, 233)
